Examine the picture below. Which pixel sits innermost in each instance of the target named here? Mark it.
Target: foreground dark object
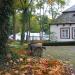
(36, 49)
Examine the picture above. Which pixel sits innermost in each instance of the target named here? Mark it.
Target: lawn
(66, 53)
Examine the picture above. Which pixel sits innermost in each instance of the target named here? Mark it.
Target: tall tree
(14, 21)
(5, 11)
(15, 6)
(24, 25)
(39, 6)
(25, 19)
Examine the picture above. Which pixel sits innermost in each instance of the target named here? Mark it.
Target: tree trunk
(25, 24)
(14, 19)
(4, 24)
(40, 25)
(23, 29)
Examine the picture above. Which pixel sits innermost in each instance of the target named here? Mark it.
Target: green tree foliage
(35, 27)
(45, 23)
(15, 7)
(18, 23)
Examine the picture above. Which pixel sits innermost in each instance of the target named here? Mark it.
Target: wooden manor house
(63, 29)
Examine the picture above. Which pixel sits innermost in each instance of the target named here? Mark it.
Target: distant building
(63, 28)
(33, 36)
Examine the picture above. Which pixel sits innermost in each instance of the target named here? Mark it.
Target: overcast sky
(70, 3)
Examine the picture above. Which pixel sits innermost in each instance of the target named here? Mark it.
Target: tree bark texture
(5, 11)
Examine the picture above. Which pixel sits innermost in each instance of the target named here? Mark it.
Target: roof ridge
(70, 9)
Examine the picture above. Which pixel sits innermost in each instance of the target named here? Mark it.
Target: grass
(65, 53)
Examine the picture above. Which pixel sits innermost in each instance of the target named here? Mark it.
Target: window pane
(64, 33)
(73, 32)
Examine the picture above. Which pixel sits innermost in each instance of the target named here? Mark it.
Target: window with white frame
(73, 32)
(65, 33)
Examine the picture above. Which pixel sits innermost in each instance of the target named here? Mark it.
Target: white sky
(70, 3)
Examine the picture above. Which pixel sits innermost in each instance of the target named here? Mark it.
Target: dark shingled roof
(68, 16)
(71, 9)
